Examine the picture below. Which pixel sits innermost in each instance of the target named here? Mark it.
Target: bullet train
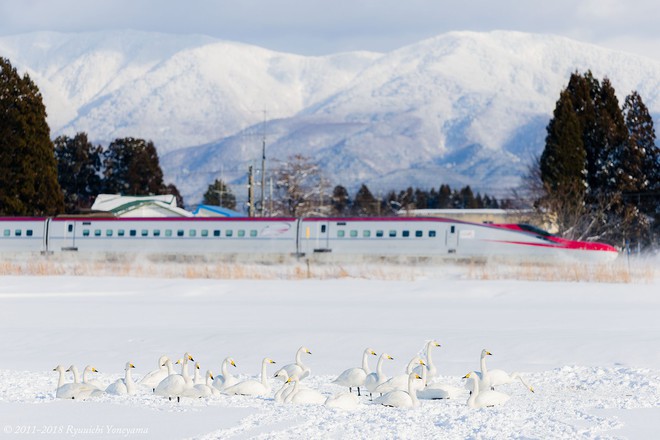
(269, 239)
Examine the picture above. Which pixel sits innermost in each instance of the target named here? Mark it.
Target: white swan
(485, 398)
(71, 390)
(197, 377)
(298, 369)
(354, 377)
(86, 379)
(153, 378)
(400, 381)
(176, 385)
(253, 387)
(431, 369)
(377, 377)
(347, 401)
(287, 386)
(402, 399)
(303, 395)
(205, 389)
(125, 386)
(489, 379)
(226, 379)
(438, 390)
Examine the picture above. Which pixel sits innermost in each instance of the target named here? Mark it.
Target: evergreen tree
(28, 170)
(365, 204)
(131, 167)
(219, 194)
(170, 188)
(340, 201)
(444, 197)
(78, 171)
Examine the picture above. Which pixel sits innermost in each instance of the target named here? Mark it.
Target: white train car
(23, 234)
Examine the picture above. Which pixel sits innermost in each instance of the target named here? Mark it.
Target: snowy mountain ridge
(460, 108)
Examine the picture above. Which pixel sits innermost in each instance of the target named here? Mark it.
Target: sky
(320, 27)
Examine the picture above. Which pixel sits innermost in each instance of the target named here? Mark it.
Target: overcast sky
(318, 27)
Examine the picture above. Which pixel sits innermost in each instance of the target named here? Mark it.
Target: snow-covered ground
(590, 350)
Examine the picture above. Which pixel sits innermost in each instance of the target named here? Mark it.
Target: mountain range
(462, 108)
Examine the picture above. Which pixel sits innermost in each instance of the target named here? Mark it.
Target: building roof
(139, 206)
(215, 211)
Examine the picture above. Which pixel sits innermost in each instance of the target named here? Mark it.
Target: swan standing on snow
(400, 381)
(125, 386)
(176, 385)
(303, 395)
(355, 377)
(343, 400)
(226, 379)
(431, 370)
(485, 398)
(402, 399)
(154, 377)
(253, 387)
(488, 380)
(377, 377)
(298, 369)
(72, 390)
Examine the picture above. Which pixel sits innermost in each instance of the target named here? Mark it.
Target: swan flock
(173, 381)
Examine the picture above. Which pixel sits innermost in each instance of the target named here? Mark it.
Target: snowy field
(591, 351)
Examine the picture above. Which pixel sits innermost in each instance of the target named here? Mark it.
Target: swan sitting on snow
(287, 386)
(253, 387)
(298, 369)
(343, 400)
(125, 386)
(226, 379)
(303, 395)
(483, 398)
(437, 390)
(377, 377)
(204, 389)
(176, 385)
(489, 379)
(153, 378)
(86, 379)
(72, 390)
(355, 377)
(402, 399)
(400, 382)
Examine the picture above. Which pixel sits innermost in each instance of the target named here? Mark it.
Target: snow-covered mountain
(461, 108)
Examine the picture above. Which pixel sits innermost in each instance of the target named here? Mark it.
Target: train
(278, 238)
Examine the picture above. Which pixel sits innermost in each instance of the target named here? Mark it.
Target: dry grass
(638, 271)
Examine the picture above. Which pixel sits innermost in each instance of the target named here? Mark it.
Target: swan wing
(248, 388)
(397, 399)
(345, 401)
(353, 377)
(308, 396)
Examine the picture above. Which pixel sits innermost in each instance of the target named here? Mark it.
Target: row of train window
(353, 233)
(168, 233)
(17, 233)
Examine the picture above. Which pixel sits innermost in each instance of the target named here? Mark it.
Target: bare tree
(300, 188)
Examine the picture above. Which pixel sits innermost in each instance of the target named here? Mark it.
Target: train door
(451, 239)
(69, 236)
(314, 236)
(322, 243)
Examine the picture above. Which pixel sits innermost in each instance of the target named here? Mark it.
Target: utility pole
(250, 192)
(262, 206)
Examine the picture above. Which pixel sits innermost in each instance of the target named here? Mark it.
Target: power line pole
(250, 192)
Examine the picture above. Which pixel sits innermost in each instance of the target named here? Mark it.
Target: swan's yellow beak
(232, 363)
(288, 380)
(211, 376)
(489, 353)
(390, 357)
(131, 366)
(421, 362)
(309, 352)
(437, 345)
(467, 376)
(271, 361)
(417, 376)
(531, 389)
(374, 353)
(190, 358)
(95, 370)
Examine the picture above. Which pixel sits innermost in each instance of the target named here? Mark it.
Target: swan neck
(429, 357)
(60, 381)
(264, 379)
(76, 375)
(129, 381)
(225, 368)
(379, 366)
(184, 369)
(299, 356)
(365, 362)
(484, 370)
(411, 390)
(170, 368)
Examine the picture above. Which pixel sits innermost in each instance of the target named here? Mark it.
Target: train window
(229, 233)
(17, 232)
(322, 229)
(132, 232)
(108, 232)
(405, 233)
(392, 233)
(205, 232)
(70, 228)
(340, 234)
(6, 233)
(156, 232)
(85, 232)
(97, 232)
(379, 233)
(419, 233)
(353, 233)
(192, 233)
(431, 233)
(253, 232)
(366, 233)
(179, 233)
(87, 223)
(144, 232)
(168, 232)
(453, 229)
(121, 232)
(216, 232)
(241, 232)
(28, 232)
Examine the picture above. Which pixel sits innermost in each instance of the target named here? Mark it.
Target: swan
(485, 398)
(205, 389)
(226, 379)
(438, 390)
(354, 377)
(154, 377)
(197, 377)
(400, 381)
(343, 401)
(287, 386)
(124, 386)
(302, 395)
(377, 377)
(253, 387)
(176, 385)
(72, 390)
(402, 399)
(85, 377)
(489, 379)
(298, 368)
(432, 371)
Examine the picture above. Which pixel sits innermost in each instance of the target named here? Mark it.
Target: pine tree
(365, 204)
(78, 171)
(219, 194)
(28, 170)
(131, 167)
(444, 197)
(340, 200)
